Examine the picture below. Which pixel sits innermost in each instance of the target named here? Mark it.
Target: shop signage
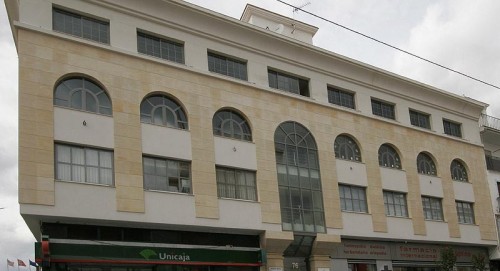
(354, 249)
(363, 250)
(155, 255)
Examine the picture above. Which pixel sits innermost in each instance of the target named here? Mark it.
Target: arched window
(299, 182)
(161, 110)
(228, 123)
(82, 94)
(388, 157)
(458, 171)
(346, 148)
(425, 164)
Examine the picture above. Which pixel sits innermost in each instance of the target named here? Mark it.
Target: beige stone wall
(45, 59)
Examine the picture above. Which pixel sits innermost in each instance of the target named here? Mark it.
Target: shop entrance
(296, 256)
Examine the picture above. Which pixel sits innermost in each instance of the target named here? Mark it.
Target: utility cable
(389, 45)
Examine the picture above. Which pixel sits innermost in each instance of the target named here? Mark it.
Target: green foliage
(479, 262)
(448, 259)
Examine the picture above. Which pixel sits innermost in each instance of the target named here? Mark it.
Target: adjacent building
(159, 135)
(490, 136)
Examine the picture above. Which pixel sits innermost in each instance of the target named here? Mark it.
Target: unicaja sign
(151, 254)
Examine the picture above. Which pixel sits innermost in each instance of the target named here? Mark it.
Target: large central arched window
(299, 180)
(82, 94)
(164, 111)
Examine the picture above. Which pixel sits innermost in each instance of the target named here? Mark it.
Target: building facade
(158, 135)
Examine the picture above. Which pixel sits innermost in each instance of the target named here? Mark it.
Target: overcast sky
(460, 34)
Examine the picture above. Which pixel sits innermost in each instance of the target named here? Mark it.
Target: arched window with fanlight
(229, 123)
(346, 148)
(425, 164)
(83, 94)
(299, 182)
(162, 110)
(388, 157)
(458, 171)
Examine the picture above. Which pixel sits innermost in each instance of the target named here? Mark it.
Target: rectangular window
(452, 128)
(289, 83)
(159, 47)
(465, 212)
(433, 209)
(236, 184)
(395, 204)
(227, 66)
(341, 97)
(420, 119)
(166, 175)
(83, 165)
(80, 26)
(353, 198)
(383, 109)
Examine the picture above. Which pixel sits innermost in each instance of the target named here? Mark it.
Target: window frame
(170, 44)
(435, 204)
(236, 62)
(180, 178)
(416, 119)
(455, 131)
(465, 217)
(391, 156)
(244, 125)
(274, 76)
(341, 100)
(345, 146)
(247, 188)
(458, 167)
(392, 207)
(82, 18)
(362, 203)
(86, 165)
(180, 116)
(427, 163)
(100, 107)
(384, 108)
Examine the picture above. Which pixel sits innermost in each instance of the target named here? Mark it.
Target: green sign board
(86, 253)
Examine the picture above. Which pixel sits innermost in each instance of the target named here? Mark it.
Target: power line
(389, 45)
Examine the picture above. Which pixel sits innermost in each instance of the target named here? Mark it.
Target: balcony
(493, 163)
(490, 122)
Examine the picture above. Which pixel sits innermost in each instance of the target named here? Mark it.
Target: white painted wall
(430, 186)
(437, 230)
(399, 226)
(166, 142)
(97, 202)
(463, 191)
(349, 172)
(357, 224)
(69, 126)
(393, 179)
(235, 153)
(469, 233)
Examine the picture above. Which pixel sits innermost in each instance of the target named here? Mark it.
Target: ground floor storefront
(92, 256)
(357, 255)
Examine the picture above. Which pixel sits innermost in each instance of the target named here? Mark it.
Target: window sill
(431, 220)
(236, 139)
(348, 160)
(241, 200)
(168, 192)
(167, 127)
(402, 217)
(85, 183)
(83, 111)
(356, 212)
(399, 169)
